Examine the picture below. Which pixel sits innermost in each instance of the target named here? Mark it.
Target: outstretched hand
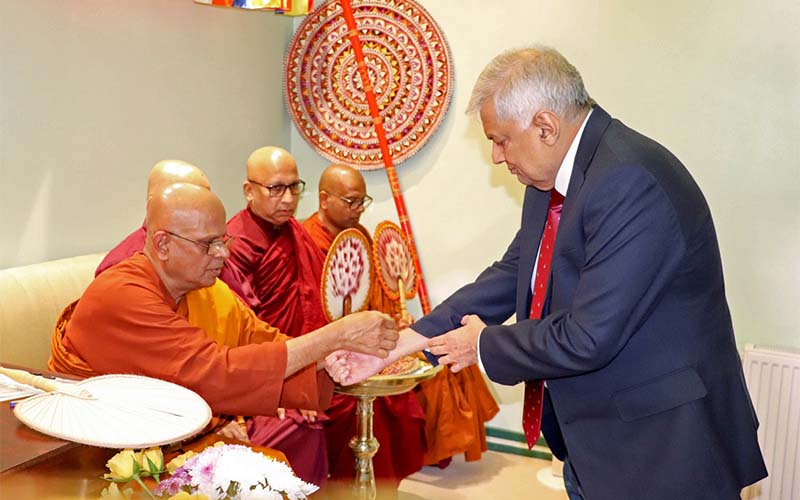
(348, 368)
(369, 332)
(459, 347)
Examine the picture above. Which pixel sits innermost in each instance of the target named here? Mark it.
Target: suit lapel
(534, 211)
(592, 133)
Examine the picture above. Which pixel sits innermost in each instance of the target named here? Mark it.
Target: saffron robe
(284, 268)
(134, 243)
(455, 405)
(127, 322)
(398, 421)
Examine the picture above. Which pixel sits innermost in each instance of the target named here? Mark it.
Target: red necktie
(534, 389)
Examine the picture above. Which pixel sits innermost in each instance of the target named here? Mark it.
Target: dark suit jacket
(636, 344)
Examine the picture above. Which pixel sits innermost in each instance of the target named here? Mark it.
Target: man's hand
(368, 332)
(235, 430)
(459, 348)
(308, 415)
(348, 368)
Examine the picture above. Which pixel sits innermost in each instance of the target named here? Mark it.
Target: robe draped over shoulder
(283, 267)
(127, 322)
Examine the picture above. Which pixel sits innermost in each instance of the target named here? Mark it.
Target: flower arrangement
(220, 472)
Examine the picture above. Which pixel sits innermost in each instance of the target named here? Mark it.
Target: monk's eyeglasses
(277, 190)
(354, 204)
(212, 247)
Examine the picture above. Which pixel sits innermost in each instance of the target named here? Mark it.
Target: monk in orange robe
(164, 173)
(283, 266)
(135, 318)
(455, 405)
(398, 421)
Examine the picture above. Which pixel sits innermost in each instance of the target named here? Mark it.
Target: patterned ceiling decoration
(410, 68)
(287, 7)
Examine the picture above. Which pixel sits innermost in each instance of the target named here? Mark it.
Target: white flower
(260, 494)
(255, 476)
(242, 465)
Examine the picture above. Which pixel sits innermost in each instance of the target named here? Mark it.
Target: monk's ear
(323, 200)
(160, 239)
(547, 126)
(247, 188)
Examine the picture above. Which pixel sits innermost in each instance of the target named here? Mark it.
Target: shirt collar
(565, 170)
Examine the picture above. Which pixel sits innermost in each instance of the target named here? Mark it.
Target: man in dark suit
(645, 394)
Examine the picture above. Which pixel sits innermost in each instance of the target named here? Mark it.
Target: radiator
(773, 379)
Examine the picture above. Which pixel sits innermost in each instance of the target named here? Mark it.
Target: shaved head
(337, 176)
(340, 185)
(267, 160)
(271, 166)
(168, 172)
(182, 206)
(185, 224)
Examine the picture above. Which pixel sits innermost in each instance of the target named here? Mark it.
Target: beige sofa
(31, 298)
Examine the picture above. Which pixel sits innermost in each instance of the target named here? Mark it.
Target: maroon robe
(283, 267)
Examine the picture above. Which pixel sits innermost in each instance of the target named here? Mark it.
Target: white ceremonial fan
(112, 411)
(394, 263)
(346, 275)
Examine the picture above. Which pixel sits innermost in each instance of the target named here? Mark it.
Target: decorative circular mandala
(410, 67)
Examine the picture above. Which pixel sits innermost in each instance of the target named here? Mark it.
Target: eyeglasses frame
(282, 187)
(225, 241)
(364, 202)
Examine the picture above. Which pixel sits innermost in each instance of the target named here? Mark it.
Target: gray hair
(524, 81)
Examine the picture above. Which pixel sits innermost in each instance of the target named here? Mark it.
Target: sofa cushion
(31, 298)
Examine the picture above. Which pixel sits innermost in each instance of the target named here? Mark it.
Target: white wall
(717, 82)
(94, 92)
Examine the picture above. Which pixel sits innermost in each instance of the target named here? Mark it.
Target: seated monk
(283, 266)
(163, 174)
(455, 405)
(398, 421)
(135, 318)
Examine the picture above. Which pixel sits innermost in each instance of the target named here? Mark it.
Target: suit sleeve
(491, 296)
(633, 247)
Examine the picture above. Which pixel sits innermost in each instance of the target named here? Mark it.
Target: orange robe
(398, 421)
(283, 266)
(456, 405)
(127, 322)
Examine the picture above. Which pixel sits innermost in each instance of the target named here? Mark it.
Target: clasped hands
(457, 348)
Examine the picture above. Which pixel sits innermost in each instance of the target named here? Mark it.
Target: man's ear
(160, 245)
(323, 200)
(547, 126)
(247, 189)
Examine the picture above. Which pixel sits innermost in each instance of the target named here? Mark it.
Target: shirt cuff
(478, 349)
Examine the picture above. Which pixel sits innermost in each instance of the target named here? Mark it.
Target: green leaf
(152, 466)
